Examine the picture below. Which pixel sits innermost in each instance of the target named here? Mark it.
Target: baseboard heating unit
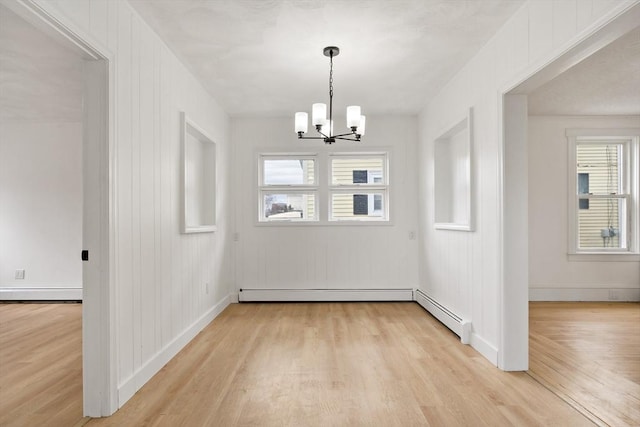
(310, 295)
(459, 326)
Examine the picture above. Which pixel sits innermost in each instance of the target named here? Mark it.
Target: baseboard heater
(458, 325)
(311, 295)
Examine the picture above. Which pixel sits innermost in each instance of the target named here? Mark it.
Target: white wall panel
(462, 270)
(41, 205)
(326, 256)
(549, 268)
(166, 282)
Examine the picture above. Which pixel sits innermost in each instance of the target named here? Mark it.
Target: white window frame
(629, 140)
(264, 188)
(370, 188)
(322, 187)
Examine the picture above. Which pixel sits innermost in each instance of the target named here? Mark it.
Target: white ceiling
(606, 83)
(264, 57)
(40, 80)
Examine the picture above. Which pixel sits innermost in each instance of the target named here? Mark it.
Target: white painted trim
(457, 324)
(130, 386)
(616, 22)
(99, 341)
(35, 293)
(584, 294)
(485, 348)
(317, 295)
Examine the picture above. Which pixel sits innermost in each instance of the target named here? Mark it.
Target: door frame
(513, 182)
(99, 382)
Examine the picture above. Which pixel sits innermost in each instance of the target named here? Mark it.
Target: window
(603, 210)
(293, 188)
(288, 188)
(358, 190)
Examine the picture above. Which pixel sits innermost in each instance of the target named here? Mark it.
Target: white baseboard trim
(318, 295)
(457, 324)
(485, 348)
(36, 293)
(584, 294)
(130, 386)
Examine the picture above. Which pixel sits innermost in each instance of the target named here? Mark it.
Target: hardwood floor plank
(378, 364)
(589, 354)
(375, 364)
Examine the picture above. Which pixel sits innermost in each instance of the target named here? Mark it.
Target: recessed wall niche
(198, 179)
(452, 177)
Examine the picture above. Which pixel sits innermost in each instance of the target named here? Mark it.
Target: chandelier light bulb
(319, 113)
(302, 122)
(360, 130)
(353, 116)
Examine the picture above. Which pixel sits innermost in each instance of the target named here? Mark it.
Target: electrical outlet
(20, 274)
(613, 295)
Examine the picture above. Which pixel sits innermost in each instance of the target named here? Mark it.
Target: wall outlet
(613, 295)
(19, 274)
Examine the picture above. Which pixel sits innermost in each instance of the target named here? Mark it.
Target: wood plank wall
(165, 281)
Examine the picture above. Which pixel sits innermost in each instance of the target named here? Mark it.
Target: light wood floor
(589, 354)
(288, 364)
(40, 364)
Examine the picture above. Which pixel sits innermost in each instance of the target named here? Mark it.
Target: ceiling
(606, 83)
(40, 80)
(264, 57)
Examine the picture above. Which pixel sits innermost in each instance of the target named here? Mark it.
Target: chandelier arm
(346, 134)
(311, 137)
(346, 139)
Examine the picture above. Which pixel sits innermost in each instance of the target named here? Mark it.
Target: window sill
(352, 223)
(604, 257)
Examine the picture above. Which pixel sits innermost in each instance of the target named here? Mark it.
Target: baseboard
(584, 294)
(457, 324)
(41, 294)
(318, 295)
(130, 386)
(485, 348)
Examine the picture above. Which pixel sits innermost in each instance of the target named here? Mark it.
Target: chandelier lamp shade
(324, 125)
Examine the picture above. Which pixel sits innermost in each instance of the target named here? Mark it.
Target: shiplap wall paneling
(165, 283)
(329, 256)
(536, 33)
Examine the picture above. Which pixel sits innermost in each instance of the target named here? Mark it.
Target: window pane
(598, 168)
(296, 206)
(600, 225)
(357, 206)
(348, 171)
(288, 172)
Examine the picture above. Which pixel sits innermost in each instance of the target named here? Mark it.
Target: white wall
(326, 256)
(168, 285)
(551, 275)
(41, 210)
(462, 270)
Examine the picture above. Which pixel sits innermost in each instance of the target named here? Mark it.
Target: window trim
(369, 188)
(311, 189)
(629, 138)
(322, 186)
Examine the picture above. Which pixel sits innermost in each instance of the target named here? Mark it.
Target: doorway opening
(94, 196)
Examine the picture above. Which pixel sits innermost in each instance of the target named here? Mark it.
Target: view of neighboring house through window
(358, 187)
(604, 217)
(288, 189)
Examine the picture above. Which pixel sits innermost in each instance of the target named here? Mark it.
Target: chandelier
(324, 126)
